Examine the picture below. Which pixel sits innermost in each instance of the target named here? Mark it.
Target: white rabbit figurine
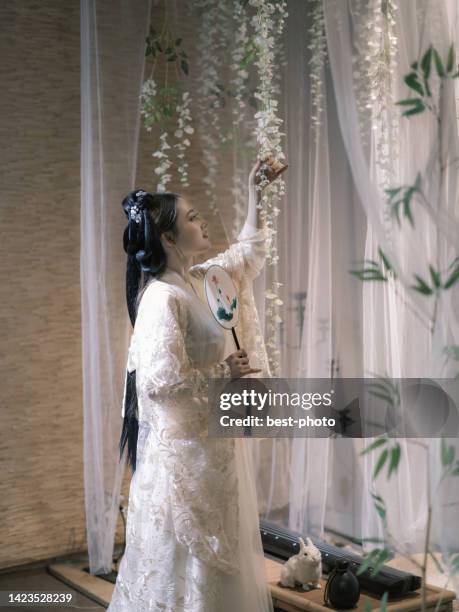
(304, 567)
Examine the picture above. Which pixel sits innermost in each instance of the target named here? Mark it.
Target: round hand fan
(222, 298)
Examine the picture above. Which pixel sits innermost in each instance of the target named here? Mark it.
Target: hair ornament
(134, 213)
(136, 209)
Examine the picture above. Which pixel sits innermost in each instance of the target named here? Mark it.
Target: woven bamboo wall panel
(41, 447)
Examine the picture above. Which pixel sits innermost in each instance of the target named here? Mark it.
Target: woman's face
(192, 237)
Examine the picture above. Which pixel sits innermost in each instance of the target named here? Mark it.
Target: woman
(192, 537)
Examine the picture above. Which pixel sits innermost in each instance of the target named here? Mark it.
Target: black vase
(342, 590)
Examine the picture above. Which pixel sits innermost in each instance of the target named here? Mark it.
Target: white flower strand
(318, 48)
(385, 115)
(162, 169)
(267, 29)
(148, 92)
(182, 132)
(374, 83)
(147, 103)
(241, 75)
(207, 71)
(243, 125)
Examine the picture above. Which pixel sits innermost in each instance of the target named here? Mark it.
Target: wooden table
(294, 600)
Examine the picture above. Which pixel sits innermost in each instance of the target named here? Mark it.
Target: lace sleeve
(247, 256)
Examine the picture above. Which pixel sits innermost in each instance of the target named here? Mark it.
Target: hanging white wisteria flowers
(158, 104)
(374, 66)
(148, 94)
(268, 27)
(239, 70)
(182, 132)
(318, 48)
(243, 137)
(211, 43)
(164, 163)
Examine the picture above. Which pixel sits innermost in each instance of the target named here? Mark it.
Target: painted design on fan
(222, 312)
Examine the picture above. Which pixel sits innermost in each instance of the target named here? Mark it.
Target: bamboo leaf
(419, 108)
(369, 274)
(394, 459)
(393, 192)
(435, 276)
(184, 66)
(407, 209)
(452, 279)
(369, 560)
(381, 512)
(383, 602)
(395, 210)
(447, 453)
(426, 62)
(376, 444)
(427, 88)
(381, 461)
(377, 497)
(422, 286)
(409, 102)
(411, 80)
(386, 262)
(451, 58)
(379, 561)
(438, 64)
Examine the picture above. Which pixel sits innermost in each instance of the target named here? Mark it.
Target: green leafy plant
(419, 81)
(436, 284)
(163, 43)
(160, 107)
(159, 103)
(378, 556)
(401, 197)
(374, 270)
(389, 454)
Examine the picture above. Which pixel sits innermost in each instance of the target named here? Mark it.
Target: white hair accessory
(135, 210)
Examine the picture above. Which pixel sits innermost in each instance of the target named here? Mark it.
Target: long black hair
(149, 215)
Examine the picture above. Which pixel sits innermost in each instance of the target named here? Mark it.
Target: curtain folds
(112, 59)
(335, 214)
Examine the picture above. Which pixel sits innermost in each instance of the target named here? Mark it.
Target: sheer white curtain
(397, 337)
(321, 230)
(336, 215)
(333, 217)
(112, 59)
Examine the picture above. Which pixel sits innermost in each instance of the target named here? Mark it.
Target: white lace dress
(192, 537)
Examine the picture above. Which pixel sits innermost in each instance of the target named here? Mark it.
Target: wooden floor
(67, 575)
(37, 578)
